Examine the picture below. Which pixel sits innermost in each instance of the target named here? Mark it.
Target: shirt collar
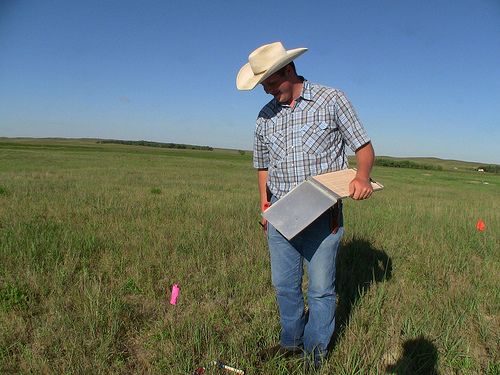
(306, 93)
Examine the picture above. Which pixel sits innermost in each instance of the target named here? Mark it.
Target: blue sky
(423, 76)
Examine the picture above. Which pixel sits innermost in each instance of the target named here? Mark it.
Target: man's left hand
(360, 188)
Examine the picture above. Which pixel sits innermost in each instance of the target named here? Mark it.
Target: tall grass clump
(93, 236)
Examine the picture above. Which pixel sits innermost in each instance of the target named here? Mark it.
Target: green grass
(93, 236)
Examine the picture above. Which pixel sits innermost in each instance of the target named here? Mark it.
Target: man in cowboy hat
(303, 132)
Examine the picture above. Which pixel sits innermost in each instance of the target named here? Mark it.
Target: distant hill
(434, 163)
(445, 163)
(179, 146)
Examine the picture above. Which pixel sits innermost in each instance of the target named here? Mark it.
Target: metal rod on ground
(228, 368)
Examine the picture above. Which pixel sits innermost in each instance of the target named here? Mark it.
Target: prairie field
(94, 236)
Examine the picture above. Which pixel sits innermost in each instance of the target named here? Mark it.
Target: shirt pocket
(275, 143)
(315, 137)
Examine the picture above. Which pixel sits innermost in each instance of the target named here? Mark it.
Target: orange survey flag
(480, 225)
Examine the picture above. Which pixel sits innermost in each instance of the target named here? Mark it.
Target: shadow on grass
(359, 265)
(419, 358)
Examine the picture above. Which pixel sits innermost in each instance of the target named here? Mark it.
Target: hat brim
(247, 80)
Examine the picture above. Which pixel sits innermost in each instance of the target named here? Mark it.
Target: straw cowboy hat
(263, 62)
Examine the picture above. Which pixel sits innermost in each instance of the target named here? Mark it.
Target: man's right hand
(264, 225)
(265, 206)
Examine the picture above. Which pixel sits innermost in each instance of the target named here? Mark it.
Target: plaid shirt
(307, 139)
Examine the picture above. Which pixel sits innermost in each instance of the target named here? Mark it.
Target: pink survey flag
(175, 293)
(480, 225)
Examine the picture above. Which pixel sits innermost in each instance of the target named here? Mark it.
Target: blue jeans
(318, 247)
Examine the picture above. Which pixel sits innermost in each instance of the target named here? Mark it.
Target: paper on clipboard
(308, 200)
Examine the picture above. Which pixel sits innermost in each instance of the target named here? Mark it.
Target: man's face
(280, 87)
